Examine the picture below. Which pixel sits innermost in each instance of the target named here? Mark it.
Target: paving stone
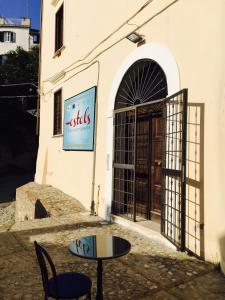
(7, 214)
(162, 295)
(21, 276)
(209, 286)
(8, 244)
(150, 271)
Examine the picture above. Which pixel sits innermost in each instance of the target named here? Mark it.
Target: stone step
(35, 200)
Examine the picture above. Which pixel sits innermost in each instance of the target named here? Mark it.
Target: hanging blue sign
(79, 121)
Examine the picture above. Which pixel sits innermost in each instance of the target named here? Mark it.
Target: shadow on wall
(45, 169)
(108, 212)
(195, 179)
(40, 211)
(222, 253)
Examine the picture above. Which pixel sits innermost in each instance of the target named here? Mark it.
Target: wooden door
(156, 166)
(142, 190)
(148, 165)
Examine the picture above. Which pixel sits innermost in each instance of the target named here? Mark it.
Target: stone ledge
(34, 200)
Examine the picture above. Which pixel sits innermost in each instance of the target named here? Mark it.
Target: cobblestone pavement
(7, 214)
(152, 270)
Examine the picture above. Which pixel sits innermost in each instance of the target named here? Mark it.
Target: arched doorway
(129, 185)
(138, 141)
(166, 60)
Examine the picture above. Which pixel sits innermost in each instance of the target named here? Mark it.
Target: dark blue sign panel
(79, 121)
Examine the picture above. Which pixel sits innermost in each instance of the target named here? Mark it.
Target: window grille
(59, 29)
(144, 81)
(57, 113)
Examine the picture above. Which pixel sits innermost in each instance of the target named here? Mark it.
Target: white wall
(22, 39)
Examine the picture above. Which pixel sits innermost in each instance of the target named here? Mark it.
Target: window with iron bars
(59, 29)
(57, 113)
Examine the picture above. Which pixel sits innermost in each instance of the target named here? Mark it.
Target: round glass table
(100, 247)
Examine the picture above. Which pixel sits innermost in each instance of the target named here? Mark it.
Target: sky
(22, 8)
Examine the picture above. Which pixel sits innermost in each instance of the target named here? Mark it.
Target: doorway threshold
(145, 227)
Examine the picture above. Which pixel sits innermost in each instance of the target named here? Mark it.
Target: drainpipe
(39, 73)
(97, 204)
(93, 210)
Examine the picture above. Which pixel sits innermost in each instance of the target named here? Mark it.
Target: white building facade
(154, 156)
(17, 33)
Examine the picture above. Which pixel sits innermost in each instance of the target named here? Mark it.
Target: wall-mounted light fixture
(135, 37)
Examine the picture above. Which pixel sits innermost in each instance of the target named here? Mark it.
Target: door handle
(158, 162)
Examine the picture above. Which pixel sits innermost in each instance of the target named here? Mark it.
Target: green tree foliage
(17, 127)
(20, 66)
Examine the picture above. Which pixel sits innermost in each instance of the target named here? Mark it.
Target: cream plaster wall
(193, 32)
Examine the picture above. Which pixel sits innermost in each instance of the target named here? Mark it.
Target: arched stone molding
(164, 58)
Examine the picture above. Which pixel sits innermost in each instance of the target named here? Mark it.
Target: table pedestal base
(99, 295)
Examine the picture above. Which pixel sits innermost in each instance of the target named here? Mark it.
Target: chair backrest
(43, 257)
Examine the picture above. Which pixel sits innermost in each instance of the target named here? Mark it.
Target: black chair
(68, 285)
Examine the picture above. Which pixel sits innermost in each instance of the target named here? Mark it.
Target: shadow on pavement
(148, 272)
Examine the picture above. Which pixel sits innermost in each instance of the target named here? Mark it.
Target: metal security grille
(124, 163)
(132, 170)
(194, 182)
(144, 81)
(174, 169)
